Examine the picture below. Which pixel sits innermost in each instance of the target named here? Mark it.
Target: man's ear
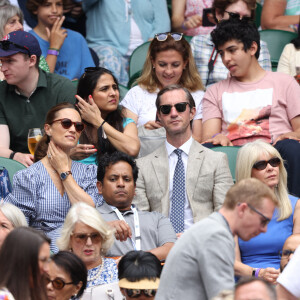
(32, 59)
(253, 48)
(241, 207)
(99, 187)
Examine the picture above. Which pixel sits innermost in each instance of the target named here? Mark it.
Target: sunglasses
(180, 107)
(57, 283)
(237, 16)
(265, 221)
(81, 238)
(135, 293)
(262, 164)
(161, 37)
(286, 253)
(67, 123)
(6, 44)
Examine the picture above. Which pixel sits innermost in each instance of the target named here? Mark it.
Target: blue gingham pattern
(43, 206)
(108, 275)
(178, 195)
(202, 47)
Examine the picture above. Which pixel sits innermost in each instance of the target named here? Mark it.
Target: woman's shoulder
(79, 166)
(34, 169)
(293, 200)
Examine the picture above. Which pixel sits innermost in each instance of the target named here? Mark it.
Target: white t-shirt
(290, 278)
(142, 103)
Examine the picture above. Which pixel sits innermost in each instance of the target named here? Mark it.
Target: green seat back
(276, 40)
(231, 152)
(258, 11)
(11, 166)
(123, 91)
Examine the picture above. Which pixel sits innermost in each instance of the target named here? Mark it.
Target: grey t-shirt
(156, 230)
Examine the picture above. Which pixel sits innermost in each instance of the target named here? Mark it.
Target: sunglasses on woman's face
(67, 123)
(135, 293)
(180, 107)
(177, 36)
(81, 238)
(237, 16)
(57, 283)
(262, 164)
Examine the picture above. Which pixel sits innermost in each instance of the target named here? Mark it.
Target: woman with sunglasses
(139, 274)
(208, 61)
(169, 61)
(87, 235)
(106, 129)
(260, 256)
(66, 278)
(46, 190)
(24, 259)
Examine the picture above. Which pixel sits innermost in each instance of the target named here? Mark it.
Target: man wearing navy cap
(27, 94)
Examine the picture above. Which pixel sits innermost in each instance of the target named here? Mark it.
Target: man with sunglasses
(182, 179)
(26, 95)
(288, 250)
(201, 263)
(252, 103)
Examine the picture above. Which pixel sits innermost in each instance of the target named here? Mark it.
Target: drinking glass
(34, 135)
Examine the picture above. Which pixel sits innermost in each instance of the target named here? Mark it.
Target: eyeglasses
(67, 123)
(57, 283)
(262, 164)
(286, 253)
(161, 37)
(265, 220)
(237, 16)
(180, 107)
(81, 238)
(6, 44)
(135, 293)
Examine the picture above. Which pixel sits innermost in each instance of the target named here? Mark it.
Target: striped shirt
(202, 48)
(43, 206)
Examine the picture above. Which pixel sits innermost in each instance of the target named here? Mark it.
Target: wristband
(12, 154)
(215, 135)
(183, 26)
(257, 272)
(53, 52)
(102, 123)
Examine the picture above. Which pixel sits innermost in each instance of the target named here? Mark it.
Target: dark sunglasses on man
(136, 293)
(180, 107)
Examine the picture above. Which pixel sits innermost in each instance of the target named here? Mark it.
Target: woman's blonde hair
(190, 77)
(88, 215)
(246, 158)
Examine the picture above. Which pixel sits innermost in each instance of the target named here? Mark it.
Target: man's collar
(106, 208)
(184, 147)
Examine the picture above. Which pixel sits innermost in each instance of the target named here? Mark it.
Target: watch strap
(64, 175)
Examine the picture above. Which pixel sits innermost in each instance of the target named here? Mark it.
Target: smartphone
(205, 20)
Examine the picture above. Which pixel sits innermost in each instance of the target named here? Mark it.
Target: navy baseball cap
(19, 42)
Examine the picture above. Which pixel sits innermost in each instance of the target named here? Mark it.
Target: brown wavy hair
(190, 77)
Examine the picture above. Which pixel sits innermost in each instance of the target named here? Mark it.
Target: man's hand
(269, 274)
(24, 158)
(219, 139)
(289, 135)
(123, 230)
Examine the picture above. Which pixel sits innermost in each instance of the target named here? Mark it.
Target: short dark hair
(174, 87)
(33, 5)
(74, 266)
(137, 265)
(246, 280)
(111, 159)
(244, 31)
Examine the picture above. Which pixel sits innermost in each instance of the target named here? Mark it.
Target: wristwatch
(64, 175)
(253, 271)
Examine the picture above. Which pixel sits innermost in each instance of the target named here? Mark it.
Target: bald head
(289, 247)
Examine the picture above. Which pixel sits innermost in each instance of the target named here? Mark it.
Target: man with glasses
(182, 179)
(288, 250)
(252, 103)
(201, 263)
(26, 95)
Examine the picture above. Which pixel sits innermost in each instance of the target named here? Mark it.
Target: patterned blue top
(43, 206)
(108, 275)
(262, 251)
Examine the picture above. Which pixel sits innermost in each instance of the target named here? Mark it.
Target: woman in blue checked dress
(87, 235)
(46, 190)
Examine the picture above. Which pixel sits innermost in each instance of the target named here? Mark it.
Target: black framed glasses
(177, 36)
(286, 253)
(57, 283)
(81, 238)
(265, 221)
(135, 293)
(5, 45)
(180, 107)
(67, 123)
(262, 164)
(236, 16)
